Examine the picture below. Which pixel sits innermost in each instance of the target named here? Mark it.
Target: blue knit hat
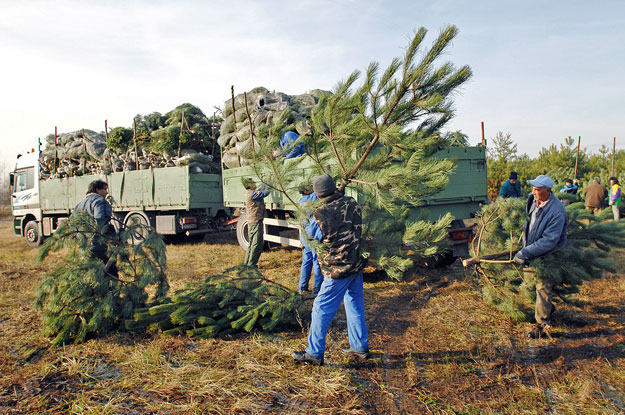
(513, 175)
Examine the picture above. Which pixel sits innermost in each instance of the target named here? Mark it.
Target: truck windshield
(24, 179)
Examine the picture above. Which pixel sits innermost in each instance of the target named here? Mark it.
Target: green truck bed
(162, 189)
(466, 190)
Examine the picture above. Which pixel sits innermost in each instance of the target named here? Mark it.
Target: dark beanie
(513, 175)
(324, 186)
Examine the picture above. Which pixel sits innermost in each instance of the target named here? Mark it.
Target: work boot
(351, 352)
(305, 357)
(538, 331)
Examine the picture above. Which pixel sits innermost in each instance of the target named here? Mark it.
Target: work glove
(519, 261)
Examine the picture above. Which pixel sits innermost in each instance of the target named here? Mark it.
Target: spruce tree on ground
(80, 298)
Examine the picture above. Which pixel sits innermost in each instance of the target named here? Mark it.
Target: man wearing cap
(594, 195)
(543, 233)
(255, 212)
(340, 223)
(309, 255)
(511, 187)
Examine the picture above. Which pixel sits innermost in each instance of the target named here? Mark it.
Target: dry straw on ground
(437, 348)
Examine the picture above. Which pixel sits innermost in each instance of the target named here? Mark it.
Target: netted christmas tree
(585, 256)
(240, 299)
(82, 297)
(379, 139)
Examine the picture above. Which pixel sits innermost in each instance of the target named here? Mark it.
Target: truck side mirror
(11, 180)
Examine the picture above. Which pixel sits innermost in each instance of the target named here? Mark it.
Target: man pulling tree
(340, 224)
(543, 233)
(97, 206)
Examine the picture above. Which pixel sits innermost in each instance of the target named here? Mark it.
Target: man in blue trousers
(340, 223)
(309, 255)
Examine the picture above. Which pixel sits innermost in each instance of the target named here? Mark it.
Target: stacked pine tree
(183, 136)
(240, 299)
(263, 109)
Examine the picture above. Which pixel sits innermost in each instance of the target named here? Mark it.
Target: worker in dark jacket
(255, 212)
(340, 221)
(511, 187)
(543, 233)
(97, 206)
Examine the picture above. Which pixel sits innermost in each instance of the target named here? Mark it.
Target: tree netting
(265, 109)
(585, 256)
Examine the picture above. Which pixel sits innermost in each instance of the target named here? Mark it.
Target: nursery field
(437, 348)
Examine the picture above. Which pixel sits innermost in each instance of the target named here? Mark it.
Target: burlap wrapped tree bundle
(264, 108)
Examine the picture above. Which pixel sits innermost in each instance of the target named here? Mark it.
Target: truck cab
(25, 207)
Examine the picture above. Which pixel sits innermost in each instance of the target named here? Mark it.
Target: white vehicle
(25, 198)
(172, 200)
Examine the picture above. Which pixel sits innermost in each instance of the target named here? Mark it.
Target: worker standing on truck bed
(255, 211)
(97, 206)
(340, 223)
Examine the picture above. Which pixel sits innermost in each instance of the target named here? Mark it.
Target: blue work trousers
(327, 303)
(309, 262)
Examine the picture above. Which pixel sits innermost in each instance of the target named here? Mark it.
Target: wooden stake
(234, 118)
(483, 138)
(134, 139)
(213, 136)
(56, 149)
(181, 129)
(579, 140)
(84, 147)
(613, 155)
(249, 120)
(106, 134)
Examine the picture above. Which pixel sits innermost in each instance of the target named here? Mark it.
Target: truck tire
(242, 236)
(142, 232)
(32, 234)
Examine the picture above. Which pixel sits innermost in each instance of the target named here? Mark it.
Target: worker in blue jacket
(544, 232)
(511, 187)
(309, 255)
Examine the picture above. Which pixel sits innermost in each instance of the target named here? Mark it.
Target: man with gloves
(340, 223)
(543, 233)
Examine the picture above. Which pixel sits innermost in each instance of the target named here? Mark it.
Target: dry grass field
(437, 348)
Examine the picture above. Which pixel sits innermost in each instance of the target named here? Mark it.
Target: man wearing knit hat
(340, 224)
(544, 232)
(511, 187)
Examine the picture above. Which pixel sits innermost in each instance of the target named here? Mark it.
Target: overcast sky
(543, 70)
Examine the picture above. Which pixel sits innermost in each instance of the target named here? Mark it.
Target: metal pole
(213, 136)
(579, 140)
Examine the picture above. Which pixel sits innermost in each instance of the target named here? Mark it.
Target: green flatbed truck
(466, 191)
(172, 200)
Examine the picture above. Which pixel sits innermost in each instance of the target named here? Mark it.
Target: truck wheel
(242, 236)
(32, 235)
(141, 232)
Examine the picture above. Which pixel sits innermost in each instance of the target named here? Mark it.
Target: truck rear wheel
(32, 234)
(141, 232)
(242, 236)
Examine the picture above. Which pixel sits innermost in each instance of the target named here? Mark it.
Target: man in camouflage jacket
(340, 223)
